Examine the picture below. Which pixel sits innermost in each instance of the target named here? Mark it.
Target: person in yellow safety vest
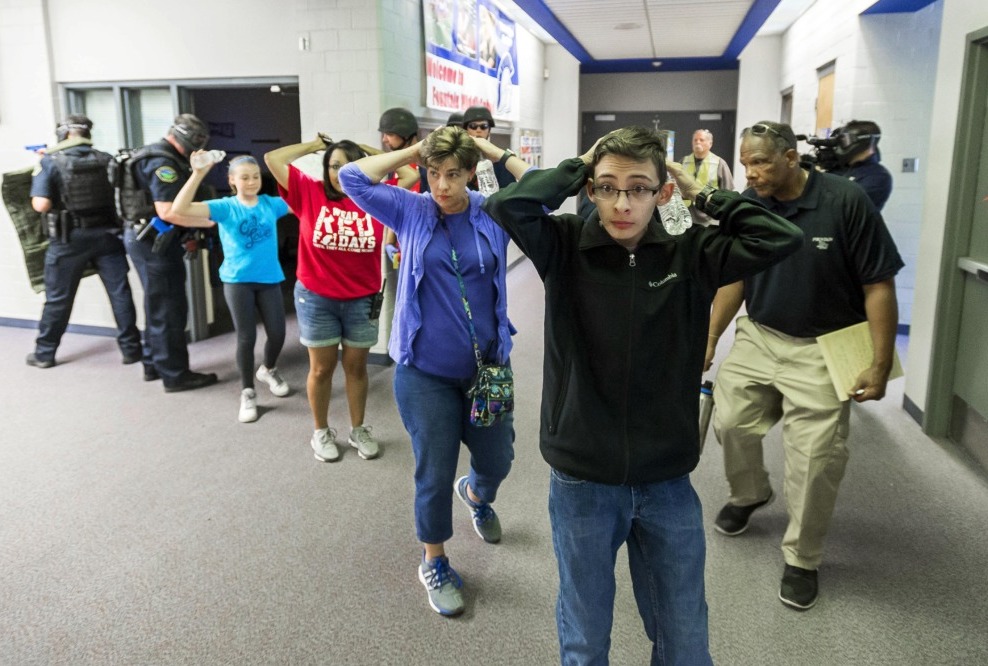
(707, 169)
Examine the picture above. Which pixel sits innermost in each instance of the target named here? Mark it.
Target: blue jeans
(436, 414)
(662, 525)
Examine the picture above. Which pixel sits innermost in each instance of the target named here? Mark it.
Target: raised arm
(183, 210)
(515, 165)
(278, 160)
(377, 167)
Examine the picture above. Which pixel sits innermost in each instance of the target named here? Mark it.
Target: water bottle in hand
(206, 158)
(486, 180)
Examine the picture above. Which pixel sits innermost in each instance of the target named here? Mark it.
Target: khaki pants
(767, 376)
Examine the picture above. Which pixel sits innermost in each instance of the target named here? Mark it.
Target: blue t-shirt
(250, 238)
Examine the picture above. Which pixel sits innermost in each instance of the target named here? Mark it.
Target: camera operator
(858, 160)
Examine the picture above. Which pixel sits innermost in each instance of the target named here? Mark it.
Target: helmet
(398, 121)
(455, 119)
(856, 136)
(76, 123)
(475, 113)
(190, 132)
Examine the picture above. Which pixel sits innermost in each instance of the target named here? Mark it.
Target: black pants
(244, 299)
(64, 266)
(166, 308)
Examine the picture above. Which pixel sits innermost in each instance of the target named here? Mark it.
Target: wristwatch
(701, 199)
(507, 154)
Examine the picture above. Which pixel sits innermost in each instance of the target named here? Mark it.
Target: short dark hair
(447, 142)
(353, 153)
(637, 143)
(781, 135)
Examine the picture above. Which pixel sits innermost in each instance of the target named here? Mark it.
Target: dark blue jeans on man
(661, 523)
(64, 265)
(436, 414)
(166, 307)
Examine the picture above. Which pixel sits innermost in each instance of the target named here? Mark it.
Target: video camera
(837, 150)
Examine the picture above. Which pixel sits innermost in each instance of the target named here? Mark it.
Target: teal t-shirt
(250, 238)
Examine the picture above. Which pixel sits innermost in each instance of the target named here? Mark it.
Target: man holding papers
(843, 275)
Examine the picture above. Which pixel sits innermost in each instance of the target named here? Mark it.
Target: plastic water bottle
(486, 180)
(675, 216)
(205, 159)
(706, 409)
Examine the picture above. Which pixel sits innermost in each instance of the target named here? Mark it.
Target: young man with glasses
(841, 276)
(478, 122)
(627, 311)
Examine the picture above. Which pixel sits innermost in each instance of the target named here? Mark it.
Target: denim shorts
(325, 322)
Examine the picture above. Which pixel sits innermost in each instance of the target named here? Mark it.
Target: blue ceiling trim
(548, 21)
(897, 6)
(668, 65)
(755, 18)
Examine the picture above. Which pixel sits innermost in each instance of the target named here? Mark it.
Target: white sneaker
(248, 406)
(272, 378)
(323, 443)
(360, 439)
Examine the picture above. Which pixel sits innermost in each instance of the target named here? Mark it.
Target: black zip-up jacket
(626, 332)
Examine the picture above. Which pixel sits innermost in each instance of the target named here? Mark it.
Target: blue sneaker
(443, 585)
(485, 521)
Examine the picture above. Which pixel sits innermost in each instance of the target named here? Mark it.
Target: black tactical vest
(85, 189)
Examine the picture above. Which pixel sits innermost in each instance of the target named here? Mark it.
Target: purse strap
(463, 290)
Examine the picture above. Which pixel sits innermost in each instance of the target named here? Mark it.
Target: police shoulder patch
(166, 174)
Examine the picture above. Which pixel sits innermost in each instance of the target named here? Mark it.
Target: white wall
(561, 138)
(958, 20)
(97, 39)
(759, 81)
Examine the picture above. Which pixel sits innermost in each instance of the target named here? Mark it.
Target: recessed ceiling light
(631, 25)
(656, 63)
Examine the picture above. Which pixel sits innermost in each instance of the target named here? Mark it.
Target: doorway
(957, 402)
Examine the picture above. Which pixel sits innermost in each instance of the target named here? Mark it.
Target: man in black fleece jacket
(627, 312)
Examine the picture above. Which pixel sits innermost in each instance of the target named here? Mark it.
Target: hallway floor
(143, 528)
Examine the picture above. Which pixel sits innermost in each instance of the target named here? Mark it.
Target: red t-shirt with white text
(339, 245)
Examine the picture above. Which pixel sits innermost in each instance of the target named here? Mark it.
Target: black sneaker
(799, 588)
(189, 381)
(733, 520)
(131, 359)
(39, 362)
(150, 374)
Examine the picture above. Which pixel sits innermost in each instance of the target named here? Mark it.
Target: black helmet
(398, 121)
(75, 123)
(190, 132)
(475, 113)
(455, 119)
(856, 136)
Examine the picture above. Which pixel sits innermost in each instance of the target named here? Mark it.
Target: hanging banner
(471, 56)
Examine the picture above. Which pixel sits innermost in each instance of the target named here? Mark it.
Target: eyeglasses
(759, 129)
(478, 126)
(638, 193)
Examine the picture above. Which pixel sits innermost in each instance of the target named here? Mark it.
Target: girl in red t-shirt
(339, 276)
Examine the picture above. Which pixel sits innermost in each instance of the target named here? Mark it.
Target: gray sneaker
(360, 439)
(323, 443)
(443, 585)
(485, 521)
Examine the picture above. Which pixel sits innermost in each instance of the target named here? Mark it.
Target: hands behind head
(323, 138)
(488, 149)
(688, 185)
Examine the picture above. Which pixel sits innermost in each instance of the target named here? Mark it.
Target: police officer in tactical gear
(72, 191)
(160, 170)
(857, 151)
(478, 122)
